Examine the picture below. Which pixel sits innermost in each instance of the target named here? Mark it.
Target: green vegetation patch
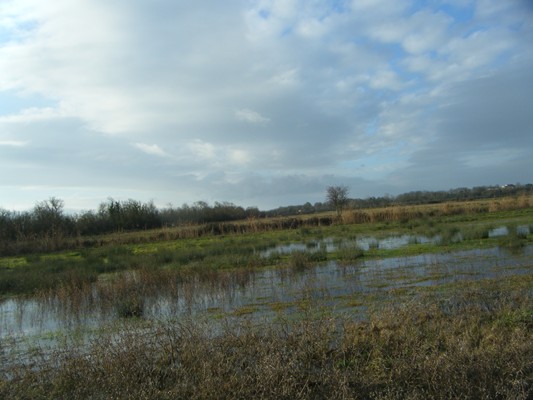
(13, 262)
(245, 310)
(38, 271)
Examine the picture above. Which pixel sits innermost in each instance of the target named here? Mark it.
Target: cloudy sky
(261, 102)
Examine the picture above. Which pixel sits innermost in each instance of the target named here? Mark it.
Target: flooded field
(367, 242)
(262, 293)
(340, 305)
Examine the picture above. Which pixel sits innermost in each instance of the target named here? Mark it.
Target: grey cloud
(490, 110)
(270, 192)
(483, 133)
(250, 110)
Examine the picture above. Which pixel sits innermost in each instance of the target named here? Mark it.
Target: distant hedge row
(48, 223)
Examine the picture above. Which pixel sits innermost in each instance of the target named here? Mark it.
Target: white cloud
(13, 143)
(312, 28)
(63, 57)
(271, 88)
(202, 149)
(247, 115)
(239, 156)
(34, 114)
(427, 32)
(478, 49)
(287, 77)
(385, 78)
(152, 149)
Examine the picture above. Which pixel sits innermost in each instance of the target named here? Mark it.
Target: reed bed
(405, 214)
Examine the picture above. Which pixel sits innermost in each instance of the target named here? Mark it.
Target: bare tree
(48, 216)
(338, 197)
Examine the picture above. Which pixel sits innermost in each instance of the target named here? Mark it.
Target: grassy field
(468, 339)
(171, 249)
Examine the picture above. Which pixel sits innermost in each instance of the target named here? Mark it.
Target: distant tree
(48, 216)
(307, 208)
(252, 212)
(337, 196)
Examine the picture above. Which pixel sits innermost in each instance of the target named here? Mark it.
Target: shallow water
(362, 242)
(266, 292)
(266, 295)
(388, 243)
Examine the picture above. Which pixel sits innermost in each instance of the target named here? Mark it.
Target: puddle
(504, 230)
(388, 243)
(500, 231)
(284, 249)
(362, 242)
(392, 242)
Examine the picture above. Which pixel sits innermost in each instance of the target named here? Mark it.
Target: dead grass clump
(524, 201)
(299, 261)
(349, 254)
(355, 217)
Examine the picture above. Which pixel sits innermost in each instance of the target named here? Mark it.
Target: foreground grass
(463, 341)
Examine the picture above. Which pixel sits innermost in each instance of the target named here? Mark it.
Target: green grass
(246, 310)
(37, 272)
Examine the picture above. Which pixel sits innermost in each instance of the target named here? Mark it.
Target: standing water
(257, 291)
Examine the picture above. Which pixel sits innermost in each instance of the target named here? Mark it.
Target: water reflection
(262, 292)
(362, 242)
(388, 243)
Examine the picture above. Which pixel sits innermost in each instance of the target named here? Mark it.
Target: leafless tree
(338, 197)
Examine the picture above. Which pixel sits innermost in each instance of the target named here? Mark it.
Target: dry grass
(408, 213)
(475, 344)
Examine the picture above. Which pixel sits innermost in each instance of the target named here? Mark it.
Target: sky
(261, 103)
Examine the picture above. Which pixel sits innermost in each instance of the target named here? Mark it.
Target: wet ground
(265, 293)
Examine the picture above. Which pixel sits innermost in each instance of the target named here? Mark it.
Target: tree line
(405, 199)
(48, 218)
